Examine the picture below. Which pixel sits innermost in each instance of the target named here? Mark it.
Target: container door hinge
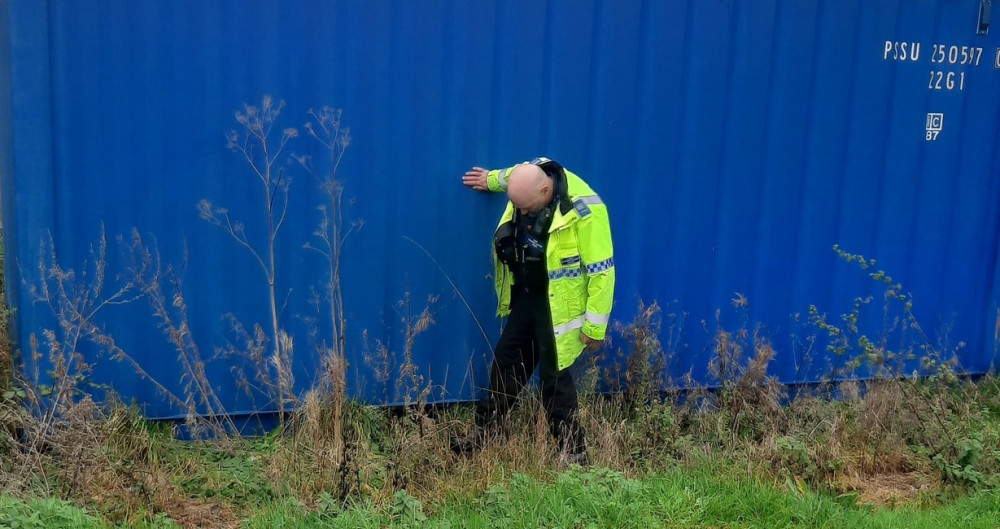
(985, 7)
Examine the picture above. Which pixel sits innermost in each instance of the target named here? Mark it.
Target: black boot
(579, 458)
(469, 443)
(572, 444)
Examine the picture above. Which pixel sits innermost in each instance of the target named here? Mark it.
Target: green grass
(245, 482)
(42, 513)
(602, 498)
(56, 514)
(692, 497)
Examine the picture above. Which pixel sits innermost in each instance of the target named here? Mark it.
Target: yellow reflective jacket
(580, 263)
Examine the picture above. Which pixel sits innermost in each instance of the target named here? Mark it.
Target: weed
(407, 509)
(646, 368)
(937, 415)
(44, 514)
(327, 128)
(262, 150)
(204, 410)
(6, 347)
(794, 456)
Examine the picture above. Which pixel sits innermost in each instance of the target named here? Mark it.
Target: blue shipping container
(735, 144)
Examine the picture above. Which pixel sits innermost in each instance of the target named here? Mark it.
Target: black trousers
(526, 342)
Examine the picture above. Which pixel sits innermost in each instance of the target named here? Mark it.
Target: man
(555, 280)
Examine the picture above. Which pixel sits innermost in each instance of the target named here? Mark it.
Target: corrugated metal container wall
(734, 142)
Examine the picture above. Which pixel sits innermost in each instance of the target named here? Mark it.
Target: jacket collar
(562, 219)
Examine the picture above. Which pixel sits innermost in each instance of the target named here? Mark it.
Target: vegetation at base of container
(6, 349)
(741, 450)
(819, 460)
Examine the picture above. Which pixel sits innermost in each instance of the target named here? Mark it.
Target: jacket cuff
(594, 332)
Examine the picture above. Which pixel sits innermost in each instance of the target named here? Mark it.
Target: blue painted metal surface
(734, 142)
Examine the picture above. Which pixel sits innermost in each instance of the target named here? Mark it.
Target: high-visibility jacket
(579, 258)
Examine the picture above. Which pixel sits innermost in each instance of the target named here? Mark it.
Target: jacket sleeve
(597, 254)
(496, 180)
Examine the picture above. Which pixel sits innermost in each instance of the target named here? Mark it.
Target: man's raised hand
(476, 178)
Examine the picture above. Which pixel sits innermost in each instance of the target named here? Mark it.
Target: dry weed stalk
(6, 347)
(203, 407)
(327, 128)
(65, 442)
(898, 402)
(410, 449)
(646, 369)
(748, 395)
(256, 145)
(410, 387)
(74, 302)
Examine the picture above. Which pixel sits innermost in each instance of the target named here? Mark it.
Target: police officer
(555, 279)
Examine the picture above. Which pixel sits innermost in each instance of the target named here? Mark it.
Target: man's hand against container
(591, 344)
(476, 178)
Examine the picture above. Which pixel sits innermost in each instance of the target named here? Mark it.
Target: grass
(890, 452)
(580, 498)
(660, 468)
(690, 498)
(44, 513)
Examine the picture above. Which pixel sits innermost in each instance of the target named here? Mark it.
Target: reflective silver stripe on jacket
(597, 319)
(580, 204)
(589, 200)
(502, 178)
(564, 328)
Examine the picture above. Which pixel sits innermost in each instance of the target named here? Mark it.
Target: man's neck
(549, 196)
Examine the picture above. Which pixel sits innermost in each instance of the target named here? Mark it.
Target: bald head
(529, 188)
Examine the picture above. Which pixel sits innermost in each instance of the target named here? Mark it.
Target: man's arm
(482, 179)
(597, 254)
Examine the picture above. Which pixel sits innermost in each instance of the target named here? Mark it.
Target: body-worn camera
(543, 220)
(505, 244)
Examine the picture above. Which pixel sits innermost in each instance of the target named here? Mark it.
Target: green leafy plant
(962, 468)
(794, 457)
(407, 509)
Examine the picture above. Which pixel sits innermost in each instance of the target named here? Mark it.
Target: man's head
(529, 188)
